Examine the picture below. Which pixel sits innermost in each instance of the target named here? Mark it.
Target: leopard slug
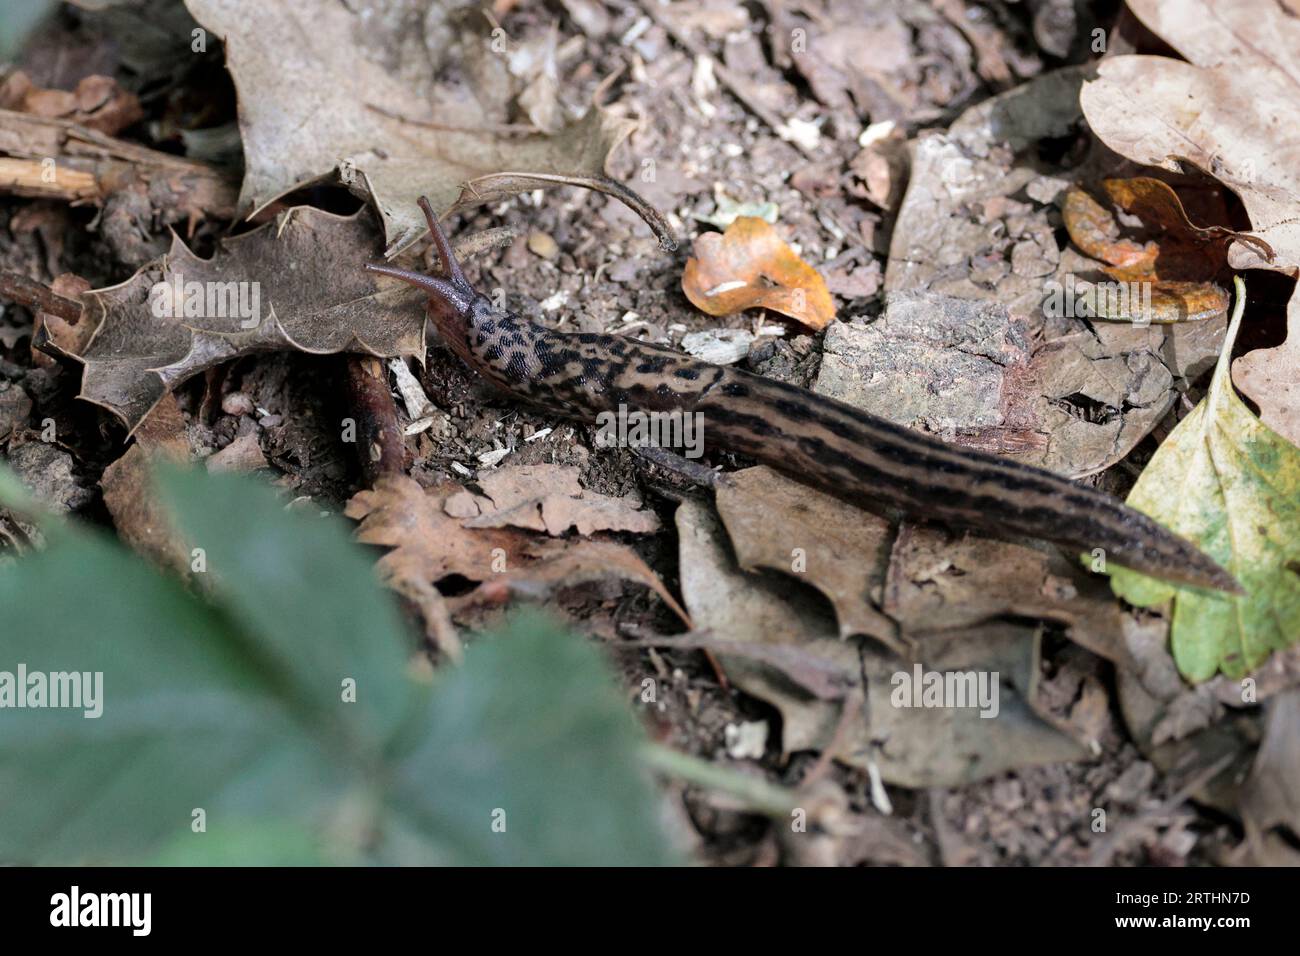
(811, 438)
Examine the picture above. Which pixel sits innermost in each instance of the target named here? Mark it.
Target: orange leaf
(1173, 260)
(749, 267)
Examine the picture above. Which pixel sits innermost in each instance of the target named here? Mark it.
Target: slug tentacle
(452, 288)
(811, 438)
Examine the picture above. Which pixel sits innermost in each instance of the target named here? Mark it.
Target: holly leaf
(277, 287)
(1226, 481)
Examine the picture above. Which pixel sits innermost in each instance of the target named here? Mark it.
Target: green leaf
(1229, 483)
(257, 843)
(188, 721)
(233, 706)
(304, 592)
(532, 759)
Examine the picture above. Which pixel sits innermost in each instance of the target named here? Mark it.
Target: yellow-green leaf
(1228, 482)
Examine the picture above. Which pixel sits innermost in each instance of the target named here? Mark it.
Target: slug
(813, 439)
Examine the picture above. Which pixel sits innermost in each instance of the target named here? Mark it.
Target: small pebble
(541, 244)
(237, 403)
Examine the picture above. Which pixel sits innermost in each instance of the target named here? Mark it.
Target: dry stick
(382, 447)
(850, 710)
(670, 461)
(739, 88)
(37, 297)
(90, 166)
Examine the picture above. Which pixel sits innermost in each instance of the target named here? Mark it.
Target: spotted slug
(811, 438)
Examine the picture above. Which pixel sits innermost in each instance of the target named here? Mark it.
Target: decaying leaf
(978, 224)
(278, 287)
(97, 103)
(910, 746)
(1227, 482)
(63, 334)
(1269, 377)
(429, 545)
(898, 585)
(881, 167)
(1232, 113)
(143, 521)
(940, 581)
(1229, 112)
(1170, 722)
(550, 498)
(749, 267)
(1175, 272)
(392, 131)
(781, 525)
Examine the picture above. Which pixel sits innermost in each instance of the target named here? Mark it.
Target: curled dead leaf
(97, 103)
(748, 267)
(1177, 268)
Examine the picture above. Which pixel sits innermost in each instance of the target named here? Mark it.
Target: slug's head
(449, 290)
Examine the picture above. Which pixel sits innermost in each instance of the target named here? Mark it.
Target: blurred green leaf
(304, 592)
(520, 738)
(235, 706)
(20, 19)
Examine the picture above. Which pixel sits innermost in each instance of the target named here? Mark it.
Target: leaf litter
(917, 593)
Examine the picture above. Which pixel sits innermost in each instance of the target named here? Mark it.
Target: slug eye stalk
(452, 289)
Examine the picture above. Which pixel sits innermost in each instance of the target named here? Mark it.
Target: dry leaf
(842, 551)
(62, 334)
(242, 454)
(97, 103)
(1075, 399)
(1232, 113)
(1269, 377)
(287, 273)
(920, 580)
(749, 267)
(939, 581)
(143, 522)
(361, 98)
(911, 747)
(882, 168)
(1177, 269)
(550, 498)
(429, 545)
(1270, 800)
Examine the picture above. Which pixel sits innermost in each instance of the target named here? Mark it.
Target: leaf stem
(757, 794)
